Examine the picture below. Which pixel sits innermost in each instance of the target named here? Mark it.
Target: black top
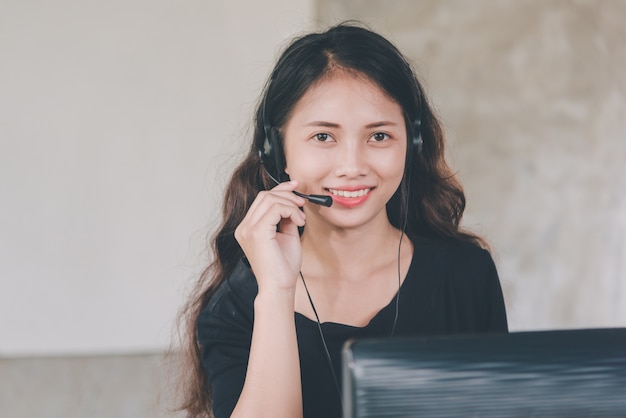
(450, 288)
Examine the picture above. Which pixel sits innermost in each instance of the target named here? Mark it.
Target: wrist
(275, 298)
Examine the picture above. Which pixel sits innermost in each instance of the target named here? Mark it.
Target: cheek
(303, 166)
(392, 165)
(302, 163)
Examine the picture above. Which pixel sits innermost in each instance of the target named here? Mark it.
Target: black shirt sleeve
(224, 333)
(492, 309)
(474, 287)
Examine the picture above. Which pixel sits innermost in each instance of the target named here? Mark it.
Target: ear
(284, 159)
(285, 176)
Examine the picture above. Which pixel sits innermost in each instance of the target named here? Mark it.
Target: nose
(350, 159)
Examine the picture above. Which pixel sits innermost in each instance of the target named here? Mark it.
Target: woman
(344, 119)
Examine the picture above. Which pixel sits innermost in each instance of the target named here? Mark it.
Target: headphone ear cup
(271, 155)
(278, 157)
(415, 144)
(418, 142)
(266, 156)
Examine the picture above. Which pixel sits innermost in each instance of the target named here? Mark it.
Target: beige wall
(119, 121)
(533, 98)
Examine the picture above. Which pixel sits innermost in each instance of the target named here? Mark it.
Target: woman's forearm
(272, 387)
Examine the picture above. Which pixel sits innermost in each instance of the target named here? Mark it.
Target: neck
(348, 252)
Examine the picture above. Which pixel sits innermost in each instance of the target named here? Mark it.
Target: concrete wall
(101, 386)
(533, 98)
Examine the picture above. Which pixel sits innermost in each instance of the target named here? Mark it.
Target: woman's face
(346, 138)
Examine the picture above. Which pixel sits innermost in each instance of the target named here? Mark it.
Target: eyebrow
(323, 124)
(326, 124)
(381, 123)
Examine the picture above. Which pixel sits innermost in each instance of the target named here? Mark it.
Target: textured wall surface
(132, 386)
(533, 98)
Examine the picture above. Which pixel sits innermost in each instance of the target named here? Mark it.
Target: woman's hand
(272, 387)
(275, 256)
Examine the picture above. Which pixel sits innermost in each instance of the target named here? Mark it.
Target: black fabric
(450, 288)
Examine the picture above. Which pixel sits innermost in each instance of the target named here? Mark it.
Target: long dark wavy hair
(433, 206)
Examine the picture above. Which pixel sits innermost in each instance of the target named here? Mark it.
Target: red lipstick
(350, 196)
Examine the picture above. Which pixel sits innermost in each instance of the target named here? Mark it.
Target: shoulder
(452, 251)
(240, 286)
(468, 256)
(465, 283)
(232, 302)
(462, 263)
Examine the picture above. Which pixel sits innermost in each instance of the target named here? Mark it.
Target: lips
(350, 197)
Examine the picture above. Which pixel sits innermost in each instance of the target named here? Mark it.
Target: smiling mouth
(349, 194)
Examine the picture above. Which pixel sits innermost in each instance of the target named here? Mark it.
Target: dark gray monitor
(574, 373)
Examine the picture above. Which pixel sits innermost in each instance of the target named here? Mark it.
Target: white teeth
(345, 193)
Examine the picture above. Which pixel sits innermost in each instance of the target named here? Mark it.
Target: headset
(273, 158)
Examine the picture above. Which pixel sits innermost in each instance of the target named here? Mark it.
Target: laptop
(566, 373)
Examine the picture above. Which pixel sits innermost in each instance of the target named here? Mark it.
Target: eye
(380, 136)
(322, 137)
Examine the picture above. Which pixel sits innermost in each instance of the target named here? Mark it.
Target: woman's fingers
(271, 208)
(272, 203)
(283, 190)
(261, 223)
